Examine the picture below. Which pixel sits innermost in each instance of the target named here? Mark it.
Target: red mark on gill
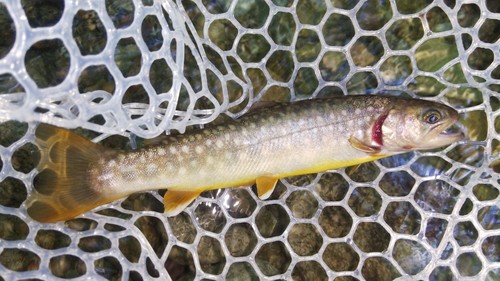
(377, 130)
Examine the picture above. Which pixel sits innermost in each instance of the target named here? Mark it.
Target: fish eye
(432, 117)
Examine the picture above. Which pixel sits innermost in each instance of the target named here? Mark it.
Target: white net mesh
(147, 67)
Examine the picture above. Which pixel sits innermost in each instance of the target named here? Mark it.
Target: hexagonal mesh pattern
(145, 67)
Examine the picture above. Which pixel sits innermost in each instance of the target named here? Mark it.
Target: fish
(77, 175)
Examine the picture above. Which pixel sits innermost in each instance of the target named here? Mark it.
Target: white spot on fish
(344, 112)
(131, 157)
(237, 142)
(209, 160)
(350, 123)
(227, 156)
(185, 149)
(128, 173)
(161, 151)
(173, 150)
(357, 111)
(198, 137)
(208, 142)
(105, 176)
(199, 149)
(232, 127)
(219, 144)
(151, 169)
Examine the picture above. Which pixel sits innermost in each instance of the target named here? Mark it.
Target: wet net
(128, 68)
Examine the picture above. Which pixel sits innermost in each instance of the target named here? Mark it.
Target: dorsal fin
(261, 105)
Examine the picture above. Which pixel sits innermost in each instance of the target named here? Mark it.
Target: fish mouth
(448, 133)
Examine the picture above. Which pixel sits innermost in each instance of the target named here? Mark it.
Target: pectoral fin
(176, 201)
(259, 105)
(265, 186)
(351, 170)
(161, 139)
(359, 145)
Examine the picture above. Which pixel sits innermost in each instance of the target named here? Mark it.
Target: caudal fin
(63, 186)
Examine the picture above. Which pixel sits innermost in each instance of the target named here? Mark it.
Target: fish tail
(63, 187)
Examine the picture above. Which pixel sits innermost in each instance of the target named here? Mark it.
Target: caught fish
(77, 175)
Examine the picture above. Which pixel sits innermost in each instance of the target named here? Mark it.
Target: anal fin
(176, 201)
(265, 186)
(351, 170)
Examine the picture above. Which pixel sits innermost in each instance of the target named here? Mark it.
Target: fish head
(413, 124)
